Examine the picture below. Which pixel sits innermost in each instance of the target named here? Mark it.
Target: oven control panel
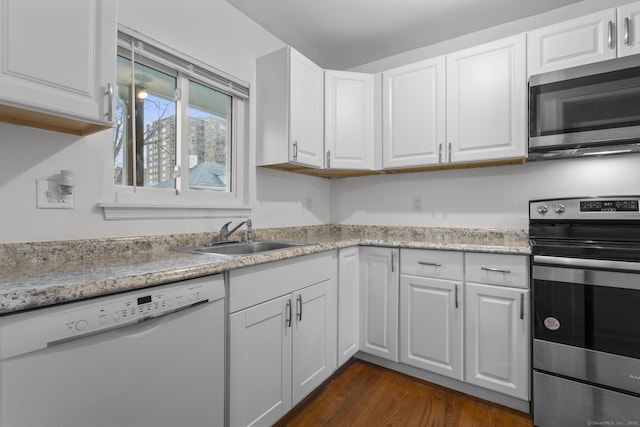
(585, 208)
(609, 206)
(131, 307)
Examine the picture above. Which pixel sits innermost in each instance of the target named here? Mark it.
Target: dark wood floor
(363, 394)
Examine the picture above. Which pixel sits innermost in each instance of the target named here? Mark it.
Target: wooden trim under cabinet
(35, 119)
(346, 173)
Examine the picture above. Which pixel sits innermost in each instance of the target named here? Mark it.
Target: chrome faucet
(225, 233)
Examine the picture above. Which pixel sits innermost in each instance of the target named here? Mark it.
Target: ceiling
(341, 34)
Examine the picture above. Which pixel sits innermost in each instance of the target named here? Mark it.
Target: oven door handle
(586, 263)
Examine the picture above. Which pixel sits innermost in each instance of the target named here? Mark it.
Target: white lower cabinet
(497, 330)
(431, 325)
(497, 323)
(348, 303)
(466, 316)
(260, 363)
(282, 349)
(379, 283)
(431, 310)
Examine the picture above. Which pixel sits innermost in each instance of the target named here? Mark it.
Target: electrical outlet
(416, 204)
(48, 196)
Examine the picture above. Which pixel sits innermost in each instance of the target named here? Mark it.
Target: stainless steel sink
(240, 248)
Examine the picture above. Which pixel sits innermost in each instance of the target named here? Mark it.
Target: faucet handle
(224, 231)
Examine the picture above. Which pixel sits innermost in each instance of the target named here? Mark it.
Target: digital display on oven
(609, 206)
(144, 300)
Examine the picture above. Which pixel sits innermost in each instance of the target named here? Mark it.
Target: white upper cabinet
(413, 114)
(580, 41)
(487, 102)
(289, 99)
(348, 120)
(58, 62)
(628, 29)
(583, 40)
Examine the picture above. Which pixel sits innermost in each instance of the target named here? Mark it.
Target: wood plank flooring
(363, 394)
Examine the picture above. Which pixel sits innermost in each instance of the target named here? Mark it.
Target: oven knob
(559, 208)
(542, 209)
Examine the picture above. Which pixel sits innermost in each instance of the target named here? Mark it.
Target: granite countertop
(47, 273)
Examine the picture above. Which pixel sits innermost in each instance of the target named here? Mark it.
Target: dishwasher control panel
(131, 307)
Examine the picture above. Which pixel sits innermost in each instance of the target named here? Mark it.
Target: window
(179, 135)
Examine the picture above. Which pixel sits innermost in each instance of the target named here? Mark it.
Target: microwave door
(585, 111)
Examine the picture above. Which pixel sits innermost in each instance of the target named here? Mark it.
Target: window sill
(120, 211)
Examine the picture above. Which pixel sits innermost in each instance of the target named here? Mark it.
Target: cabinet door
(580, 41)
(628, 29)
(260, 363)
(348, 303)
(431, 323)
(487, 102)
(379, 283)
(314, 337)
(497, 336)
(59, 57)
(305, 111)
(348, 124)
(413, 114)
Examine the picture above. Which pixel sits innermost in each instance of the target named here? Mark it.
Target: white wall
(210, 30)
(485, 197)
(493, 197)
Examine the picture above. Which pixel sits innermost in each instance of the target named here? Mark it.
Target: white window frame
(133, 202)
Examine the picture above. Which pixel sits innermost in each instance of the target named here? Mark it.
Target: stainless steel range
(586, 304)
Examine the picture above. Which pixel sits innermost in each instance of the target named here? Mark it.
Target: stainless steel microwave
(587, 110)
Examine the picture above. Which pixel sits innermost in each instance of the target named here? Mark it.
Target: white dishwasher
(152, 357)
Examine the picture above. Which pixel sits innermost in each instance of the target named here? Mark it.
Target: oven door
(586, 320)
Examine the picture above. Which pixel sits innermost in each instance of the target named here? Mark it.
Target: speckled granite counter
(46, 273)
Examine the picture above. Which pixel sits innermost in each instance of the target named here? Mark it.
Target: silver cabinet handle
(439, 153)
(449, 156)
(299, 307)
(456, 296)
(328, 159)
(433, 264)
(288, 314)
(109, 95)
(499, 270)
(610, 36)
(626, 31)
(393, 261)
(295, 150)
(521, 306)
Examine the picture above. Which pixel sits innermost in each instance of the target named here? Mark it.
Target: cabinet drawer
(430, 263)
(259, 283)
(498, 269)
